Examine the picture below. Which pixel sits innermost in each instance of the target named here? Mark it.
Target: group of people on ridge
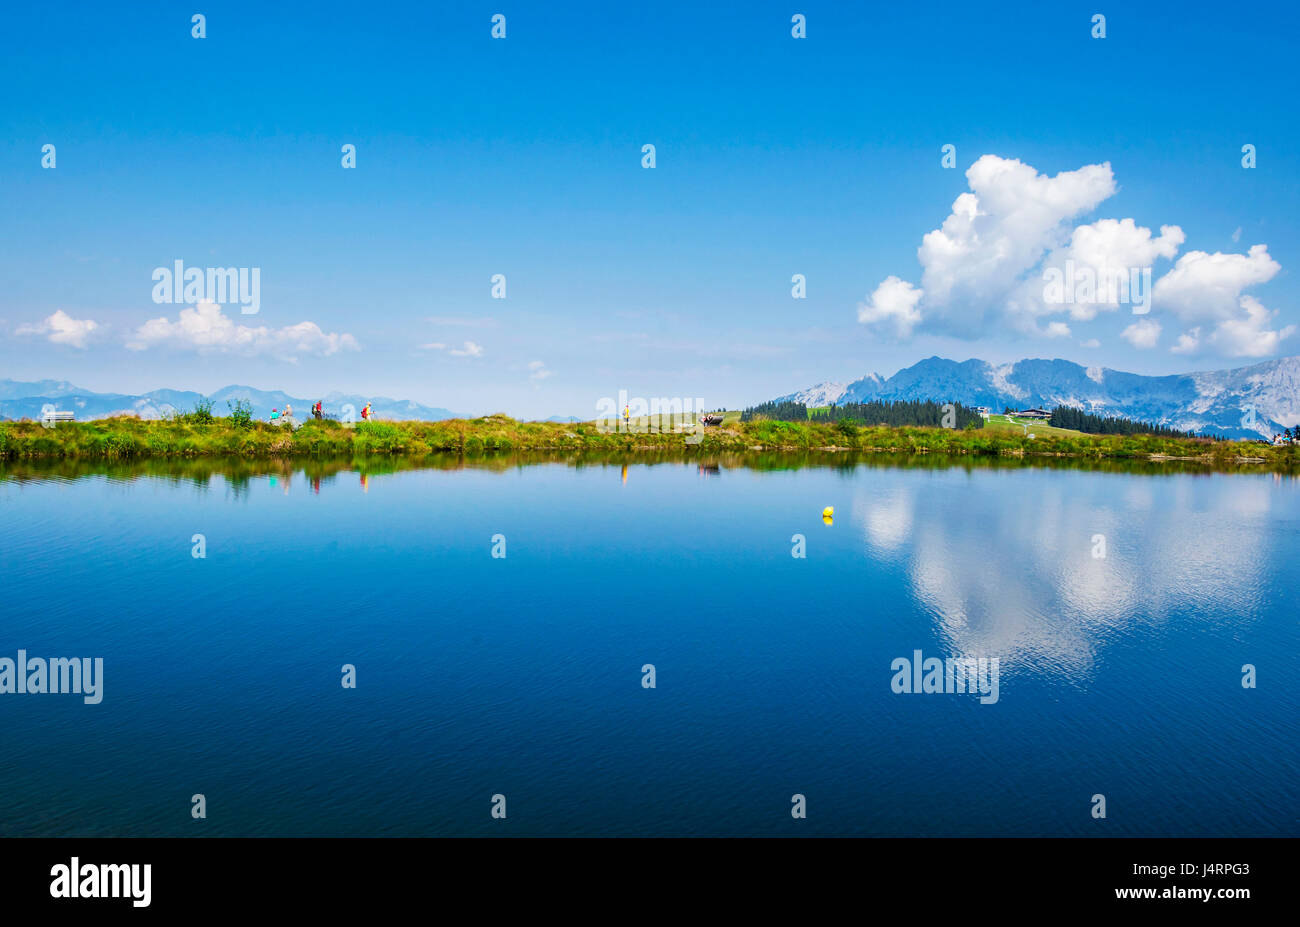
(317, 412)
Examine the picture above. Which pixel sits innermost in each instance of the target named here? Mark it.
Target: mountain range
(1210, 402)
(25, 400)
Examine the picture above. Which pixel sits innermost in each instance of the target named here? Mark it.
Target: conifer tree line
(1079, 420)
(904, 412)
(930, 414)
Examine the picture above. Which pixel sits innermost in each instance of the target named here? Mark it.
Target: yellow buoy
(828, 512)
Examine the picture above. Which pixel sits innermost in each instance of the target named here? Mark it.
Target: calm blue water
(522, 676)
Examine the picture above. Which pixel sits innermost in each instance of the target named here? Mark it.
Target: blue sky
(775, 156)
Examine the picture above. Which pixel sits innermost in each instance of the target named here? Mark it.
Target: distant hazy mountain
(1213, 402)
(13, 389)
(25, 400)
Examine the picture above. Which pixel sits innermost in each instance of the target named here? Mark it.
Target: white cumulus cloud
(469, 350)
(1143, 333)
(1207, 287)
(204, 328)
(1188, 341)
(62, 328)
(892, 306)
(1009, 257)
(1250, 335)
(996, 233)
(1117, 253)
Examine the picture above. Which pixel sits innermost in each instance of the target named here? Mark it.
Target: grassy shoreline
(127, 439)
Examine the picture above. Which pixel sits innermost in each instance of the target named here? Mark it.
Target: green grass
(125, 439)
(1003, 423)
(664, 424)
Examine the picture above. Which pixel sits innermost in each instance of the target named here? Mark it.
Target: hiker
(275, 415)
(627, 418)
(288, 412)
(315, 410)
(365, 413)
